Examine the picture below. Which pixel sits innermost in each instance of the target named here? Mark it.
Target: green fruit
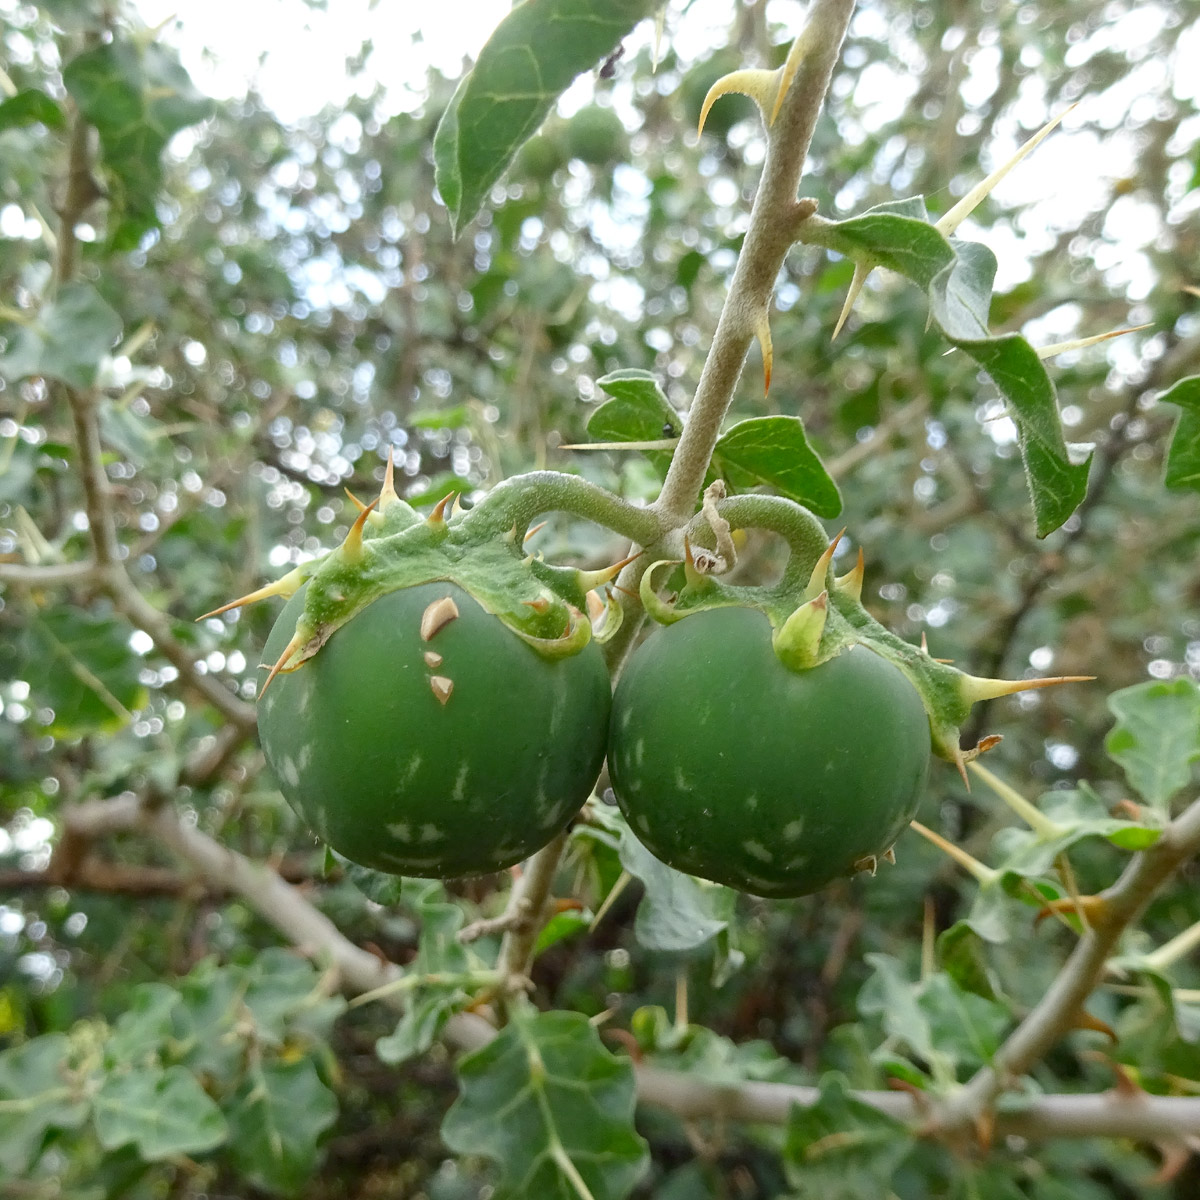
(733, 767)
(597, 137)
(539, 158)
(397, 775)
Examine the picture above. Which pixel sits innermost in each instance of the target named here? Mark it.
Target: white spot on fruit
(797, 863)
(289, 772)
(401, 831)
(460, 781)
(410, 772)
(430, 832)
(752, 802)
(641, 822)
(681, 780)
(639, 751)
(758, 850)
(305, 757)
(793, 829)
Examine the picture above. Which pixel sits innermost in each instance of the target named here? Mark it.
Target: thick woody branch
(33, 575)
(1056, 1012)
(770, 235)
(527, 909)
(1112, 1114)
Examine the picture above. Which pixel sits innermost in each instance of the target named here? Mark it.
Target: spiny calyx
(390, 546)
(816, 621)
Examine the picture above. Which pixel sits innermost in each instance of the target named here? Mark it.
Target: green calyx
(816, 615)
(390, 546)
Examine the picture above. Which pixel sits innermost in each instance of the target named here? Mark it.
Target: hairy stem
(770, 235)
(523, 498)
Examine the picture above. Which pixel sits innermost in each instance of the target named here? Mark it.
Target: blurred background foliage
(293, 306)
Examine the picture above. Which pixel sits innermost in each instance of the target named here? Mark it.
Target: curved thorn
(763, 332)
(820, 573)
(293, 645)
(355, 500)
(388, 494)
(852, 582)
(759, 84)
(456, 508)
(351, 549)
(861, 271)
(787, 73)
(536, 529)
(594, 579)
(438, 516)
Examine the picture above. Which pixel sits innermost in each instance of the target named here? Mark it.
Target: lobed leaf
(639, 411)
(774, 451)
(161, 1113)
(31, 107)
(82, 668)
(841, 1148)
(36, 1096)
(547, 1102)
(137, 98)
(532, 57)
(280, 1114)
(1079, 814)
(71, 335)
(958, 277)
(677, 912)
(1157, 737)
(1183, 457)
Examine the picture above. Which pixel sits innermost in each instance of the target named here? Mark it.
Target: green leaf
(774, 451)
(958, 277)
(387, 890)
(560, 927)
(962, 956)
(161, 1113)
(280, 988)
(639, 411)
(137, 98)
(677, 912)
(944, 1026)
(418, 1028)
(142, 1029)
(1183, 458)
(81, 666)
(1157, 737)
(1079, 813)
(528, 62)
(547, 1102)
(31, 107)
(73, 332)
(841, 1148)
(281, 1112)
(36, 1095)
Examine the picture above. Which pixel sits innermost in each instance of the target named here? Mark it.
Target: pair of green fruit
(427, 737)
